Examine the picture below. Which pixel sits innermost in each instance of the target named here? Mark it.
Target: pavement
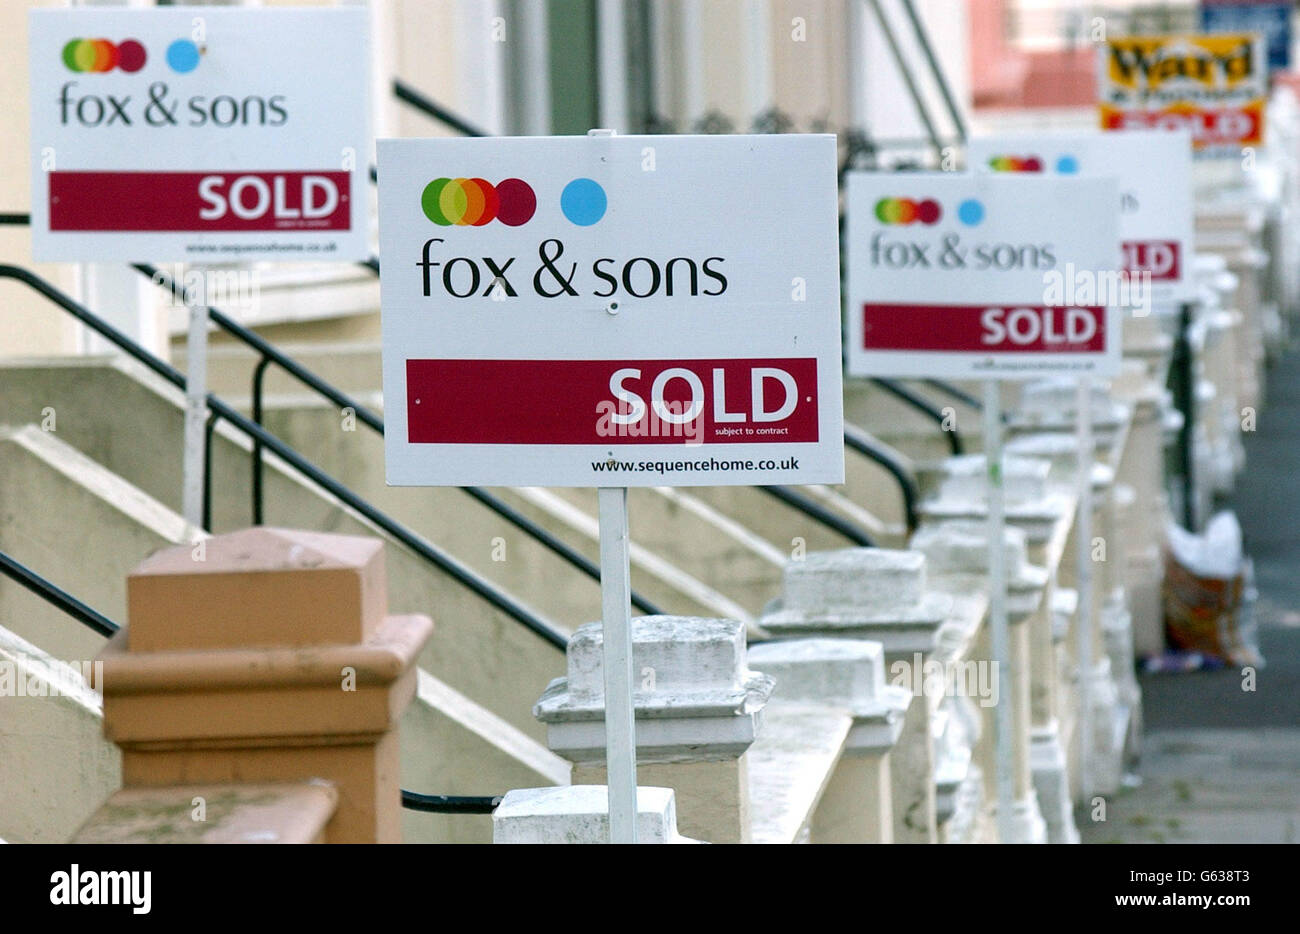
(1221, 764)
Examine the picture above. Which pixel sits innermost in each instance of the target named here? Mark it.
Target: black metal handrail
(863, 443)
(269, 354)
(924, 405)
(815, 510)
(462, 574)
(408, 94)
(449, 804)
(53, 594)
(956, 392)
(61, 599)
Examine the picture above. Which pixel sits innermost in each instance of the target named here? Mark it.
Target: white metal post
(758, 31)
(1000, 630)
(612, 59)
(533, 70)
(616, 621)
(196, 415)
(690, 38)
(1083, 574)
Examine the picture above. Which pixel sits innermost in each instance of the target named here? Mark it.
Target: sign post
(616, 620)
(196, 414)
(985, 277)
(1083, 574)
(610, 312)
(998, 624)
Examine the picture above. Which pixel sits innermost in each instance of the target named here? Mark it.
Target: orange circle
(105, 55)
(474, 202)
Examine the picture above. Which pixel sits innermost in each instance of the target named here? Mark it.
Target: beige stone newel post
(265, 659)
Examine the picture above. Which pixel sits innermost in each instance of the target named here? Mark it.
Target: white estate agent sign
(981, 275)
(1154, 170)
(200, 134)
(611, 311)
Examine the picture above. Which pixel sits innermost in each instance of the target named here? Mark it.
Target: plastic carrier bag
(1209, 593)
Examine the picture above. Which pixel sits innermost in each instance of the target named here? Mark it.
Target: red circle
(927, 212)
(130, 55)
(491, 201)
(1033, 164)
(516, 202)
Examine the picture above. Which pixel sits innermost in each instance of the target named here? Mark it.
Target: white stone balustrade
(961, 550)
(882, 596)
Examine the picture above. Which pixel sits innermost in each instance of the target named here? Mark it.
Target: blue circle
(183, 56)
(1067, 165)
(970, 212)
(583, 202)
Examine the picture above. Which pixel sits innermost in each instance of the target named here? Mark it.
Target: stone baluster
(849, 674)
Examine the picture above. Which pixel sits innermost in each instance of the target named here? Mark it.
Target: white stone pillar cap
(1030, 503)
(694, 696)
(862, 593)
(843, 673)
(1062, 450)
(1024, 479)
(961, 547)
(580, 814)
(1051, 405)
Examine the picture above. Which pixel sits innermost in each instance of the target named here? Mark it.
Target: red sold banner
(1161, 259)
(753, 401)
(1243, 126)
(975, 328)
(199, 201)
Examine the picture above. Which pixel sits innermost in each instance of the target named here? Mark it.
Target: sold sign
(614, 311)
(152, 142)
(1011, 279)
(1154, 171)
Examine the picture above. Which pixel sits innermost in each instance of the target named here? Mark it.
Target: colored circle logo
(473, 202)
(907, 211)
(1067, 165)
(183, 56)
(583, 202)
(1016, 164)
(970, 212)
(100, 55)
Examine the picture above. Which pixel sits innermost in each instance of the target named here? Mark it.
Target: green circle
(429, 201)
(70, 54)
